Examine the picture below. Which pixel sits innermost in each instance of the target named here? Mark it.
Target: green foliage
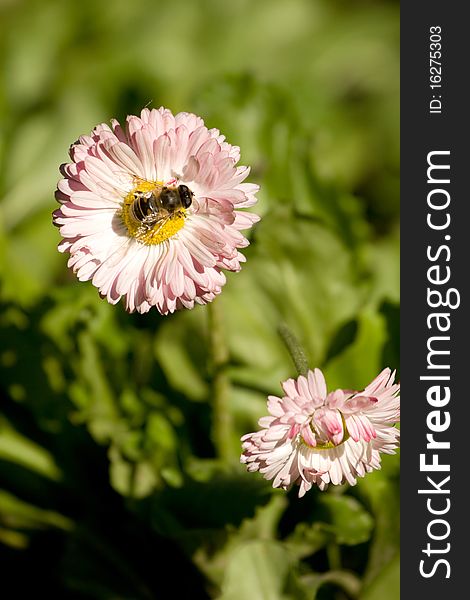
(258, 569)
(109, 474)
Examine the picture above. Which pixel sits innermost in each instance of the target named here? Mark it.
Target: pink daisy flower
(316, 437)
(152, 212)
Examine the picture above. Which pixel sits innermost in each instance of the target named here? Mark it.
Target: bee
(158, 206)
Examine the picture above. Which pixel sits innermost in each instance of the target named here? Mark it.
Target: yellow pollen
(326, 446)
(154, 233)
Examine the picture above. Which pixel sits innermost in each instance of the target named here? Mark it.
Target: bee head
(186, 195)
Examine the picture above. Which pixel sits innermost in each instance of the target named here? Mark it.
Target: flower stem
(346, 580)
(221, 417)
(295, 349)
(334, 556)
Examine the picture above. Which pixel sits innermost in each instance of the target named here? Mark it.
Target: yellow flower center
(327, 445)
(145, 221)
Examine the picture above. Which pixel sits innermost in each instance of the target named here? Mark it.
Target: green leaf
(306, 539)
(181, 349)
(383, 262)
(381, 490)
(19, 449)
(19, 514)
(94, 394)
(361, 361)
(257, 569)
(386, 585)
(135, 480)
(290, 278)
(348, 519)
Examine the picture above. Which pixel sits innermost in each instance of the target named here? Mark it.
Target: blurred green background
(110, 480)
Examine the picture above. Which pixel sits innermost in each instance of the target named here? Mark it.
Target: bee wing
(151, 186)
(153, 220)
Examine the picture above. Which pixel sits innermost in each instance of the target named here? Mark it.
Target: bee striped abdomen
(154, 215)
(142, 207)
